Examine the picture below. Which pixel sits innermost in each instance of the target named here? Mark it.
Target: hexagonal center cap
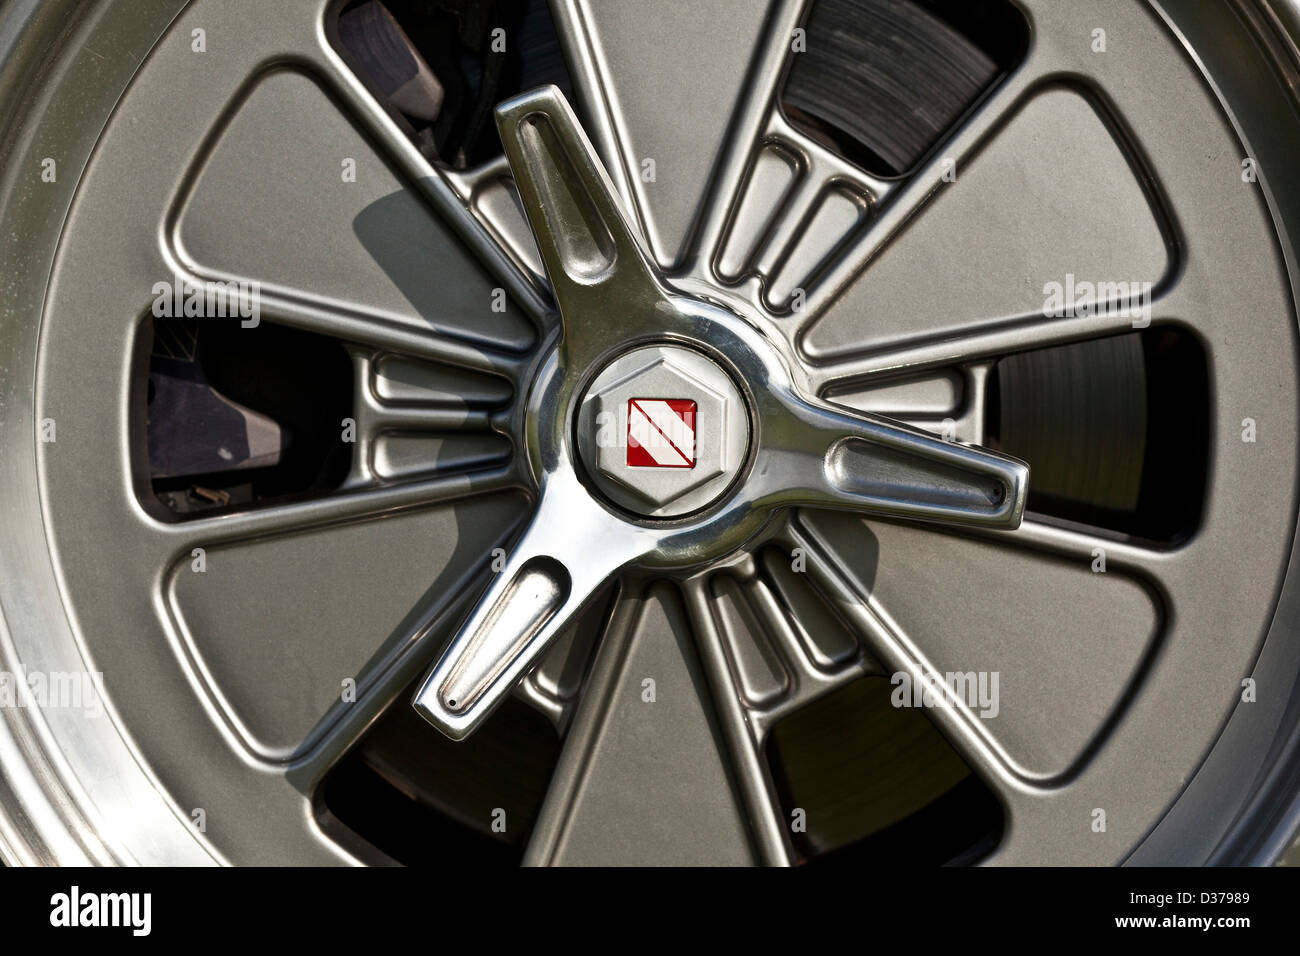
(663, 430)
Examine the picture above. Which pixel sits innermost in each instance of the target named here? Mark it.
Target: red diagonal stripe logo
(661, 433)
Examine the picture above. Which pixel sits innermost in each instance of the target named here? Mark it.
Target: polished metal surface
(804, 452)
(224, 688)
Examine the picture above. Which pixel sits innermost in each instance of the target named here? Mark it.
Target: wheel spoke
(813, 639)
(688, 92)
(977, 344)
(912, 197)
(1160, 569)
(383, 332)
(434, 186)
(1026, 273)
(176, 537)
(284, 672)
(933, 605)
(648, 756)
(390, 254)
(743, 742)
(397, 659)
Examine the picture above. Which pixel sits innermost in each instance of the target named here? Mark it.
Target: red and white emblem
(661, 433)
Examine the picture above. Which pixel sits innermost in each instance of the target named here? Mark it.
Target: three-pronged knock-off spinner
(635, 359)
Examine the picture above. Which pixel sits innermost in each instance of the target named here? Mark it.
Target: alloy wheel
(859, 346)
